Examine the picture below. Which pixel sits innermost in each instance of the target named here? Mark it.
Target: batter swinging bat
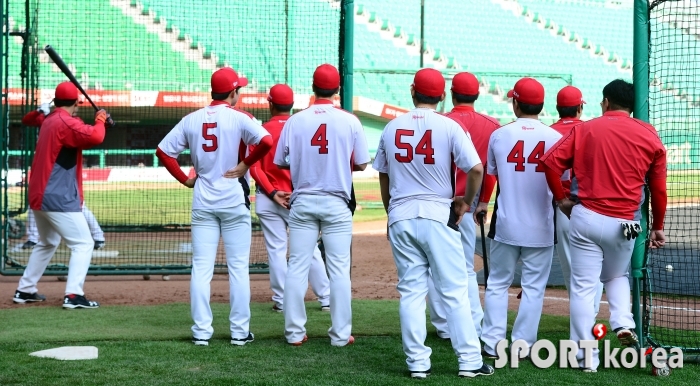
(481, 216)
(62, 65)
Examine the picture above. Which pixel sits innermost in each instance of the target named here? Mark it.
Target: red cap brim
(242, 82)
(510, 94)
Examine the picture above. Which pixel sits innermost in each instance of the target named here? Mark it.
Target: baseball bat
(62, 65)
(481, 216)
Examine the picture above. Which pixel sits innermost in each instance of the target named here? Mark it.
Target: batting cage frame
(162, 247)
(666, 292)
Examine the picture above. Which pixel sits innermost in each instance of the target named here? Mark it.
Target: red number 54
(424, 147)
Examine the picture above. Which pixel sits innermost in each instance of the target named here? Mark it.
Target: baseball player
(611, 157)
(465, 91)
(522, 223)
(273, 189)
(321, 146)
(218, 137)
(570, 107)
(36, 118)
(414, 160)
(56, 197)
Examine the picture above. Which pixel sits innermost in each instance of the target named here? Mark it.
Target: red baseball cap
(465, 83)
(327, 77)
(570, 96)
(429, 82)
(226, 80)
(528, 90)
(281, 94)
(66, 91)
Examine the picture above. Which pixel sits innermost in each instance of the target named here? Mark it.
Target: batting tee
(148, 62)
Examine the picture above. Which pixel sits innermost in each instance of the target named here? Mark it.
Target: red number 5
(209, 137)
(517, 156)
(319, 139)
(424, 147)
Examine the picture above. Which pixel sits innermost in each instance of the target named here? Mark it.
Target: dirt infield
(373, 277)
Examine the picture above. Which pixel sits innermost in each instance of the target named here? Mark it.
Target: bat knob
(110, 121)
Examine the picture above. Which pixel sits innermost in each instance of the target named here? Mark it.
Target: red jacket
(563, 126)
(56, 182)
(266, 174)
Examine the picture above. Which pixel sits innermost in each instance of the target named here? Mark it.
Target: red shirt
(56, 182)
(480, 127)
(266, 174)
(33, 118)
(563, 126)
(610, 157)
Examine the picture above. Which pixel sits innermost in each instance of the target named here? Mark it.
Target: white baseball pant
(419, 244)
(564, 252)
(537, 262)
(274, 220)
(208, 226)
(599, 252)
(95, 230)
(467, 229)
(331, 216)
(52, 226)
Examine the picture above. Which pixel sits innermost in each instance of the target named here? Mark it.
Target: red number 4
(424, 147)
(209, 137)
(517, 156)
(319, 139)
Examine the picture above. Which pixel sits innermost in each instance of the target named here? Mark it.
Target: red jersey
(266, 174)
(610, 157)
(33, 118)
(563, 126)
(56, 182)
(480, 127)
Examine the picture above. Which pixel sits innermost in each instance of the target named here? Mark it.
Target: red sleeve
(657, 188)
(258, 174)
(554, 182)
(33, 118)
(260, 150)
(658, 165)
(560, 157)
(172, 166)
(487, 187)
(82, 135)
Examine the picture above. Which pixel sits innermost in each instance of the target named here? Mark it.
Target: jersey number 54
(424, 147)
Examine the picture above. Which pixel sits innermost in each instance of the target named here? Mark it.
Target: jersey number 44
(517, 156)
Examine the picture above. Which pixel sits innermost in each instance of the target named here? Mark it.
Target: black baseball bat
(62, 65)
(481, 216)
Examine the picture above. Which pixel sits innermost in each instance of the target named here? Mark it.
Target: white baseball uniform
(95, 229)
(417, 151)
(522, 228)
(217, 136)
(320, 145)
(274, 220)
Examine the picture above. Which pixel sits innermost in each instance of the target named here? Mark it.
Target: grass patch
(150, 346)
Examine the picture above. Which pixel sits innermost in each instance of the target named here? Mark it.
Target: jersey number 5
(424, 147)
(209, 137)
(319, 139)
(517, 156)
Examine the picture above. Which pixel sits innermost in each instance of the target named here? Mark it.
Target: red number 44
(319, 139)
(517, 156)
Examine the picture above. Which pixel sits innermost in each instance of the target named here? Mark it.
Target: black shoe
(28, 245)
(26, 297)
(242, 342)
(488, 355)
(99, 244)
(200, 342)
(420, 374)
(484, 370)
(73, 301)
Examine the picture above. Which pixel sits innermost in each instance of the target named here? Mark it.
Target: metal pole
(422, 30)
(347, 41)
(641, 111)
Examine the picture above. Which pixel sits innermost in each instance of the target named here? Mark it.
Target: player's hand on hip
(461, 207)
(482, 207)
(101, 115)
(239, 171)
(190, 182)
(282, 199)
(657, 239)
(566, 206)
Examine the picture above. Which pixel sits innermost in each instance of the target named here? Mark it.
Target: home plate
(68, 353)
(108, 254)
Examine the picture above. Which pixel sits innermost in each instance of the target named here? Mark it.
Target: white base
(107, 254)
(68, 353)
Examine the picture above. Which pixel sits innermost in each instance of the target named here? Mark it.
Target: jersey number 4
(517, 156)
(209, 137)
(319, 139)
(424, 147)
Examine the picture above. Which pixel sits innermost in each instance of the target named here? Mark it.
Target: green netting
(672, 293)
